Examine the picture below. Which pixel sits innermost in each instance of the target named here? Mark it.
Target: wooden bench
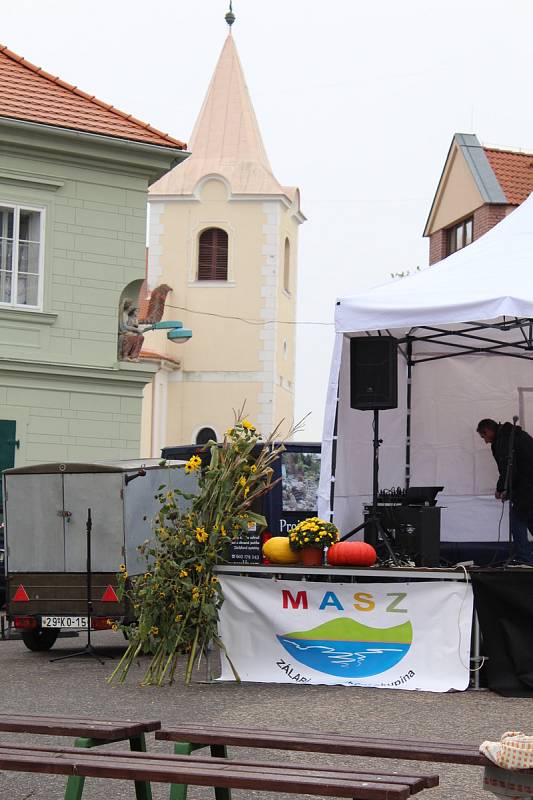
(221, 772)
(188, 738)
(88, 733)
(193, 737)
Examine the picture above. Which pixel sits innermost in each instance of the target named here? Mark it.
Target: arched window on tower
(205, 435)
(213, 255)
(287, 266)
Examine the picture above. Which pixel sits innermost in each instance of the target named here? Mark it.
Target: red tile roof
(514, 172)
(29, 93)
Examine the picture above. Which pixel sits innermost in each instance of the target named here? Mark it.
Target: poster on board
(391, 635)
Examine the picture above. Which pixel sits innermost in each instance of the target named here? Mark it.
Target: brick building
(478, 187)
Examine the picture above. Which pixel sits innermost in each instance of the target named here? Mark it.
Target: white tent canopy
(465, 329)
(490, 278)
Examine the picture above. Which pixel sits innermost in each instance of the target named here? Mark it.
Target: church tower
(224, 237)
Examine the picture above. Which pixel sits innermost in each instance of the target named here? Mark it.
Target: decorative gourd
(278, 551)
(353, 554)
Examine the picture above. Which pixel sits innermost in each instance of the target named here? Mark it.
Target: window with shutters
(213, 255)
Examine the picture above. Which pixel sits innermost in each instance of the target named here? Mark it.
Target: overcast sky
(357, 102)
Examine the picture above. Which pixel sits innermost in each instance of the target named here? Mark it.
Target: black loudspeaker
(373, 372)
(414, 532)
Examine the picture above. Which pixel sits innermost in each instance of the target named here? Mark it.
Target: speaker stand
(374, 518)
(88, 650)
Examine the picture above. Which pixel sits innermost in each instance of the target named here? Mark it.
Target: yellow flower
(230, 432)
(242, 481)
(253, 468)
(154, 630)
(178, 617)
(247, 425)
(114, 627)
(146, 576)
(183, 573)
(202, 535)
(122, 568)
(246, 491)
(124, 575)
(214, 579)
(198, 567)
(194, 463)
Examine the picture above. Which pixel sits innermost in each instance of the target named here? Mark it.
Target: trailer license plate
(79, 623)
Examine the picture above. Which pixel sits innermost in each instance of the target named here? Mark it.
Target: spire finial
(230, 16)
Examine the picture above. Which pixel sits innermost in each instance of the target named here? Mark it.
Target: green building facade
(72, 237)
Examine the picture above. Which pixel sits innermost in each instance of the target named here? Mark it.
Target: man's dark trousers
(520, 523)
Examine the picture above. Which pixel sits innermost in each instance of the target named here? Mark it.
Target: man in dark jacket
(520, 482)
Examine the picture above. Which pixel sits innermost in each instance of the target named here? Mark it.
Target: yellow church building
(224, 236)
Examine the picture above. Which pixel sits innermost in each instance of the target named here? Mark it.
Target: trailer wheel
(40, 639)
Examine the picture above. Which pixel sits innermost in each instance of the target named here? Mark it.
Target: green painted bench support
(143, 789)
(178, 791)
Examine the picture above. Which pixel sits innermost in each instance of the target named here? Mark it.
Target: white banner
(392, 635)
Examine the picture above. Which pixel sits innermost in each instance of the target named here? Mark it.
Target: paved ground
(30, 683)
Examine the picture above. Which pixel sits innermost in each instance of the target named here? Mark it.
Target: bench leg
(75, 783)
(178, 791)
(143, 790)
(220, 751)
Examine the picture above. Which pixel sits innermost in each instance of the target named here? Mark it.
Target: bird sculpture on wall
(156, 305)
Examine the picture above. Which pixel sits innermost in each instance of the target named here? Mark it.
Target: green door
(7, 450)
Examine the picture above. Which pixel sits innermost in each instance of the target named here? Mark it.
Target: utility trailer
(45, 513)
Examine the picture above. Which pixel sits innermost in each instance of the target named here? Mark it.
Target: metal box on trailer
(46, 511)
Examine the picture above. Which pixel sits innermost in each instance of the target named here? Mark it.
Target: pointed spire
(226, 139)
(230, 16)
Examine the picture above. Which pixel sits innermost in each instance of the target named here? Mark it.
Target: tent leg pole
(408, 414)
(334, 460)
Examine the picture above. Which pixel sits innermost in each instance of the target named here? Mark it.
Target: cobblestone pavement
(30, 683)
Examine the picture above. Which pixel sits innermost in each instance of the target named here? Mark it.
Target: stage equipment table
(330, 574)
(399, 573)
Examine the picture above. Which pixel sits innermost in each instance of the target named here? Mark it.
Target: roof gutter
(171, 155)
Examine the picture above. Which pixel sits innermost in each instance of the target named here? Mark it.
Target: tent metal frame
(472, 332)
(477, 340)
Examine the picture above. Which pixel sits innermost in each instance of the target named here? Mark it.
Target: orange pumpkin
(353, 554)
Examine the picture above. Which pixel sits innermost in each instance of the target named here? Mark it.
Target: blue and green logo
(349, 649)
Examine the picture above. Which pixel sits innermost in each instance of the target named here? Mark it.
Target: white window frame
(17, 208)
